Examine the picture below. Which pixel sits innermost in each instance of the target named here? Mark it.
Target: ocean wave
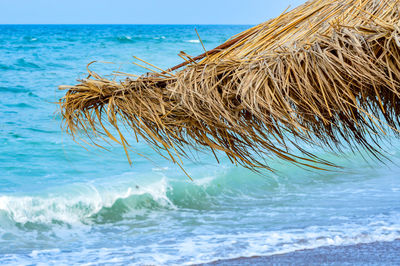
(159, 38)
(26, 64)
(131, 39)
(20, 106)
(205, 248)
(107, 203)
(110, 202)
(193, 41)
(87, 204)
(128, 39)
(6, 67)
(30, 38)
(14, 89)
(125, 39)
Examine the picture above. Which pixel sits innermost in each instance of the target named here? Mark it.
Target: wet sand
(378, 253)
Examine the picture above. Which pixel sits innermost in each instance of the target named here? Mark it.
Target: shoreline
(376, 253)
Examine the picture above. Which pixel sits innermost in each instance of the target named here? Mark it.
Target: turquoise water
(63, 204)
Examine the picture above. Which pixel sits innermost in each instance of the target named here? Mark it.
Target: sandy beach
(378, 253)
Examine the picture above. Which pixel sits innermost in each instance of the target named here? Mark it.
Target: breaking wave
(83, 204)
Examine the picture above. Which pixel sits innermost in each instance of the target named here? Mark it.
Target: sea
(66, 203)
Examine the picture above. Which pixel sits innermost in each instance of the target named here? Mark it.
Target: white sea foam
(159, 169)
(193, 41)
(210, 247)
(204, 181)
(81, 203)
(37, 253)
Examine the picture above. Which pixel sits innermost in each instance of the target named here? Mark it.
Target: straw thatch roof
(326, 73)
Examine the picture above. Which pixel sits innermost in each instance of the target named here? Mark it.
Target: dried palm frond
(326, 73)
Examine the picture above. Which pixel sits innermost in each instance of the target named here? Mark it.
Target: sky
(141, 12)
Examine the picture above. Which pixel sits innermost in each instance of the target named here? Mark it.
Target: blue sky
(141, 12)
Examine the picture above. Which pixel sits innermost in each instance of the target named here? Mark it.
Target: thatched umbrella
(326, 73)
